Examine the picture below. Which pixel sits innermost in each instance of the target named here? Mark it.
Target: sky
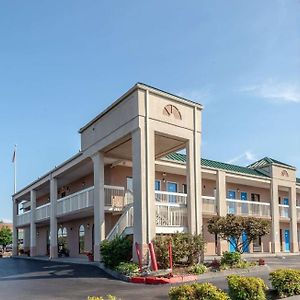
(63, 62)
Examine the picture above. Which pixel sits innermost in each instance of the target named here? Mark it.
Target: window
(62, 235)
(184, 188)
(129, 183)
(81, 239)
(157, 185)
(255, 197)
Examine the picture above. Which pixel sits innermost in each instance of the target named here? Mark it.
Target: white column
(293, 219)
(53, 218)
(32, 223)
(143, 171)
(221, 206)
(15, 229)
(275, 232)
(194, 185)
(99, 214)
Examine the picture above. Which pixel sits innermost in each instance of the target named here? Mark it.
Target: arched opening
(81, 239)
(62, 236)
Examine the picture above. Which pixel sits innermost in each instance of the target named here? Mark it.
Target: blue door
(231, 206)
(244, 197)
(244, 240)
(157, 185)
(285, 201)
(172, 188)
(287, 240)
(232, 245)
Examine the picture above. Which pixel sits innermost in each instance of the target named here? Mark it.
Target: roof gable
(267, 161)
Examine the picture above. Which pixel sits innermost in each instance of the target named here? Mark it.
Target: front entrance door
(244, 240)
(232, 245)
(287, 240)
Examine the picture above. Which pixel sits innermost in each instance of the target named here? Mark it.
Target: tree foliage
(5, 236)
(232, 228)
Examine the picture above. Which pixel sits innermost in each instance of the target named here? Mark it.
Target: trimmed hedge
(246, 288)
(286, 282)
(186, 248)
(231, 258)
(197, 269)
(197, 291)
(116, 251)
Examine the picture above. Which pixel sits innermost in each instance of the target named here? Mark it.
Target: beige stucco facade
(127, 180)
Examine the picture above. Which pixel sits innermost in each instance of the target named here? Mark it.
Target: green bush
(197, 291)
(286, 282)
(186, 248)
(230, 258)
(197, 269)
(128, 268)
(116, 251)
(246, 288)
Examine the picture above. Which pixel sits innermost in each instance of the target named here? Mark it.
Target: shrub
(286, 282)
(197, 269)
(231, 258)
(185, 248)
(197, 291)
(116, 251)
(246, 288)
(128, 268)
(215, 264)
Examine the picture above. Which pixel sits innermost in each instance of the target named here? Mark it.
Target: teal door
(245, 239)
(287, 240)
(232, 245)
(231, 206)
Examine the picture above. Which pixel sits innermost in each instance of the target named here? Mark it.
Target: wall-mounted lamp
(164, 175)
(88, 226)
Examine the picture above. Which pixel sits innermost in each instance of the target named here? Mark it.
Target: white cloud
(275, 91)
(246, 156)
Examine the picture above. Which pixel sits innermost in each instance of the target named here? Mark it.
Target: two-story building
(132, 178)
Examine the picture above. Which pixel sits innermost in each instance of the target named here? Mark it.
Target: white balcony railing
(209, 205)
(76, 201)
(124, 222)
(248, 208)
(114, 196)
(169, 197)
(284, 211)
(171, 214)
(23, 219)
(298, 212)
(43, 212)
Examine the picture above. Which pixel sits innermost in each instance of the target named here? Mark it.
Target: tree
(5, 236)
(232, 228)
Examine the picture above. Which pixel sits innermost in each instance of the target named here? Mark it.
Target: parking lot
(31, 279)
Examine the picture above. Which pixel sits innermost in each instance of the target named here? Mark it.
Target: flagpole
(15, 170)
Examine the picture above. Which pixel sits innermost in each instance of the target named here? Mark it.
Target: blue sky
(62, 62)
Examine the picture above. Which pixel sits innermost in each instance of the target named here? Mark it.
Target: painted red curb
(162, 280)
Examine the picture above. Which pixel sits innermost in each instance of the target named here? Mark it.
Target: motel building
(131, 178)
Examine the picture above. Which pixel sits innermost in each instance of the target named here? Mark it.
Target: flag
(14, 156)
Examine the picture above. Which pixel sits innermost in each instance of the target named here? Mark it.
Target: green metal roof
(181, 158)
(266, 161)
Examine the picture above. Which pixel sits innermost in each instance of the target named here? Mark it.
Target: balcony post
(275, 232)
(99, 214)
(53, 218)
(293, 219)
(221, 207)
(15, 229)
(32, 223)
